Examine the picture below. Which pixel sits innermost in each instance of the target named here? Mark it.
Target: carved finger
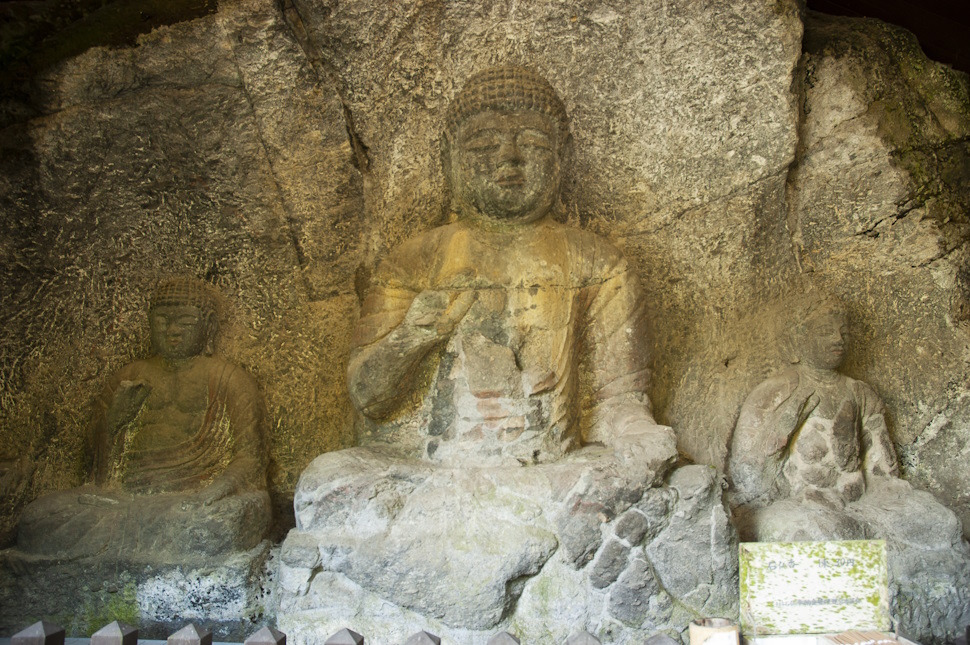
(456, 311)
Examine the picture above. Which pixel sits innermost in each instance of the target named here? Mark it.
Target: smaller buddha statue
(811, 456)
(178, 442)
(812, 459)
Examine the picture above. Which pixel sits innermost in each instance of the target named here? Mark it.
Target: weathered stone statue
(811, 459)
(500, 363)
(179, 452)
(513, 301)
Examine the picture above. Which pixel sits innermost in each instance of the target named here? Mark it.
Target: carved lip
(508, 180)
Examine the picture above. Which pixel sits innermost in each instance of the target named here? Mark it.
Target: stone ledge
(229, 594)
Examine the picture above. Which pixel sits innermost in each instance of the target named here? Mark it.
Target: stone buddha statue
(179, 448)
(500, 368)
(811, 458)
(521, 338)
(812, 433)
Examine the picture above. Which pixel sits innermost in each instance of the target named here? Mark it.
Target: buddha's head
(818, 337)
(183, 318)
(505, 145)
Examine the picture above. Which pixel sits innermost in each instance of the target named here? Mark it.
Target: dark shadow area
(35, 34)
(941, 26)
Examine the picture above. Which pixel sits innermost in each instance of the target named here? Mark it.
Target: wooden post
(115, 634)
(40, 633)
(191, 635)
(265, 636)
(345, 637)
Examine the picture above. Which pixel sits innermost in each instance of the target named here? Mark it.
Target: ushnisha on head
(507, 89)
(505, 145)
(183, 315)
(818, 335)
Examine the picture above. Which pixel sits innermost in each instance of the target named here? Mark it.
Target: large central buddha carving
(521, 312)
(500, 367)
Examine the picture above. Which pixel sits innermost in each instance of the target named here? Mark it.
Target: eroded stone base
(389, 548)
(227, 594)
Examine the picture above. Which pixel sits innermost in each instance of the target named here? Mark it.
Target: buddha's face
(823, 340)
(506, 165)
(179, 331)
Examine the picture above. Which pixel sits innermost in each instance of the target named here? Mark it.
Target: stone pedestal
(226, 593)
(388, 548)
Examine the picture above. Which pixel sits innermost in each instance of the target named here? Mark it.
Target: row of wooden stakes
(45, 633)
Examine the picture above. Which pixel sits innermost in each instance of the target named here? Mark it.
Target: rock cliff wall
(736, 151)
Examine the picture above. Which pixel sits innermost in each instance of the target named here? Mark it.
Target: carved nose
(509, 151)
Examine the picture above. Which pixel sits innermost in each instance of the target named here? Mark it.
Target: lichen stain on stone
(104, 607)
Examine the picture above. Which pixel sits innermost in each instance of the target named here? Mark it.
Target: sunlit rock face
(283, 155)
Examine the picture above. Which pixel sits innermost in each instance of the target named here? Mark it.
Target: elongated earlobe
(211, 329)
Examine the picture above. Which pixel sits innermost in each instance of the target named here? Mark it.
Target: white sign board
(813, 587)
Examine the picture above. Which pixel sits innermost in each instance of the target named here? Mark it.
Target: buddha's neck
(821, 375)
(177, 364)
(498, 225)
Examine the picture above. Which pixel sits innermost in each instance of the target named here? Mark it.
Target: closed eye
(534, 139)
(483, 141)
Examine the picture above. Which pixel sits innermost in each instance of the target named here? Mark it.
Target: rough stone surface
(466, 365)
(211, 149)
(177, 449)
(631, 597)
(228, 594)
(632, 527)
(891, 234)
(696, 523)
(609, 564)
(682, 115)
(811, 459)
(506, 568)
(877, 215)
